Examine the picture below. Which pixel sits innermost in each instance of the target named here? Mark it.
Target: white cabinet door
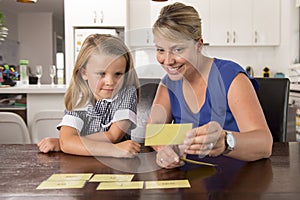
(138, 30)
(266, 22)
(230, 22)
(95, 12)
(203, 8)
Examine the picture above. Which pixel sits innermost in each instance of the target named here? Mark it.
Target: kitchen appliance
(81, 33)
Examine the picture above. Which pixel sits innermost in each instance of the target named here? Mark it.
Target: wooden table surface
(23, 168)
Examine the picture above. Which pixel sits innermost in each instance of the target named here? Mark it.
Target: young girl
(100, 102)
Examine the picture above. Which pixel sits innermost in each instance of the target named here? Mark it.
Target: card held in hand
(166, 134)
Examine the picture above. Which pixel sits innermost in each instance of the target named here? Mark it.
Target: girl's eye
(102, 74)
(118, 74)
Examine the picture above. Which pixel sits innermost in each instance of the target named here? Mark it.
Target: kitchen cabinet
(95, 12)
(143, 13)
(266, 22)
(244, 23)
(138, 30)
(90, 14)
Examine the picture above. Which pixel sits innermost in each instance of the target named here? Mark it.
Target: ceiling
(54, 6)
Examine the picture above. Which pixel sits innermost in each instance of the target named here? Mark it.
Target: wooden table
(23, 168)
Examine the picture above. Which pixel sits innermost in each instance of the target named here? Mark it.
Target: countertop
(34, 89)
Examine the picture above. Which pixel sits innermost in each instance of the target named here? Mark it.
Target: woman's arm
(161, 109)
(254, 141)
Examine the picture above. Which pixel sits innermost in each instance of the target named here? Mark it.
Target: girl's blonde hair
(79, 94)
(178, 22)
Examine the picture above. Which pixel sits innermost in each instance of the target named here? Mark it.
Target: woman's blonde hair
(79, 94)
(178, 22)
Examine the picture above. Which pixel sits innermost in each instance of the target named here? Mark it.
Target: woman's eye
(178, 50)
(159, 50)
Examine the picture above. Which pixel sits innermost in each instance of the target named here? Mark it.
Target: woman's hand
(126, 149)
(49, 144)
(169, 156)
(206, 140)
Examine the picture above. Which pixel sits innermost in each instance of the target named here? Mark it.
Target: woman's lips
(174, 70)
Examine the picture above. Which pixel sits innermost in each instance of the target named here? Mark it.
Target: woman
(216, 95)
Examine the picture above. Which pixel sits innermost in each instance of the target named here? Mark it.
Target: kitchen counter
(34, 89)
(39, 98)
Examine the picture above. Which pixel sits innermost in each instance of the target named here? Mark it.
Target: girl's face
(177, 58)
(105, 75)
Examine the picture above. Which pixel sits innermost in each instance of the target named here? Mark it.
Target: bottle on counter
(298, 124)
(24, 79)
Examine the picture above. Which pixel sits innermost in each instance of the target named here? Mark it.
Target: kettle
(250, 71)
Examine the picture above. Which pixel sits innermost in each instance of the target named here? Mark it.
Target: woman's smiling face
(105, 75)
(177, 58)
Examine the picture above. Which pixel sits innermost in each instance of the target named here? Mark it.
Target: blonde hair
(178, 22)
(79, 94)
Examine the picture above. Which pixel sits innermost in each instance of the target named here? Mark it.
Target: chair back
(44, 124)
(13, 129)
(273, 95)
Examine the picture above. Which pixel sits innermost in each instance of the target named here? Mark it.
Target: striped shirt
(99, 117)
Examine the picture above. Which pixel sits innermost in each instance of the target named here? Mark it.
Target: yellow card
(111, 177)
(121, 185)
(166, 134)
(62, 184)
(168, 184)
(70, 177)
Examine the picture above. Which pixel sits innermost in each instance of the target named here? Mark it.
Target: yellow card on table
(70, 177)
(121, 185)
(166, 134)
(111, 177)
(168, 184)
(61, 184)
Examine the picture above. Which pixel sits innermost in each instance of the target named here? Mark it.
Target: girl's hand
(206, 140)
(49, 144)
(169, 156)
(126, 149)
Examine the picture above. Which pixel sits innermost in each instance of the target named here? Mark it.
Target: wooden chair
(273, 95)
(13, 129)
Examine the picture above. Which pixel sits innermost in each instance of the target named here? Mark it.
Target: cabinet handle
(234, 36)
(95, 16)
(255, 37)
(147, 40)
(102, 16)
(228, 37)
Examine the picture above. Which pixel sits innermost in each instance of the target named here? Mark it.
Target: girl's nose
(109, 80)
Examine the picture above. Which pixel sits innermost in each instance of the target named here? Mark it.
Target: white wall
(35, 33)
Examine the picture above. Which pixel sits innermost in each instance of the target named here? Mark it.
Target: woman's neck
(201, 70)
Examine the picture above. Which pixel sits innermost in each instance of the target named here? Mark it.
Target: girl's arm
(115, 133)
(72, 143)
